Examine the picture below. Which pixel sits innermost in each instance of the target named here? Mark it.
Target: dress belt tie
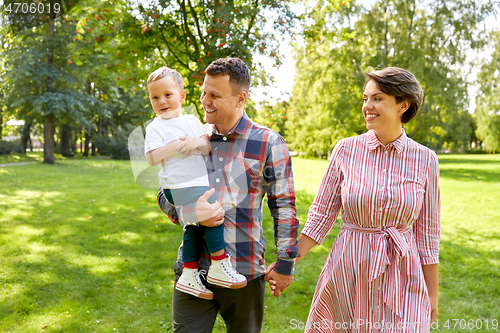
(387, 241)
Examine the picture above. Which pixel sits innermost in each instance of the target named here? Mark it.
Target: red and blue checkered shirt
(243, 166)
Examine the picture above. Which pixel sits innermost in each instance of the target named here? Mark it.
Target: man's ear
(241, 99)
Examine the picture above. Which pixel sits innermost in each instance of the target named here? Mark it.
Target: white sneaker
(190, 283)
(222, 273)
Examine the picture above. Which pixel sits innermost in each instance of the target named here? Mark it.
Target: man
(246, 162)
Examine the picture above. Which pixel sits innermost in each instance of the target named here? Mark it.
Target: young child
(176, 142)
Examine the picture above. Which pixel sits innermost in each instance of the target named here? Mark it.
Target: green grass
(83, 249)
(35, 156)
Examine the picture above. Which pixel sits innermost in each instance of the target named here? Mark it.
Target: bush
(115, 146)
(6, 147)
(476, 151)
(118, 150)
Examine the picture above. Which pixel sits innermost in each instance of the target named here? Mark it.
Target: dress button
(224, 138)
(221, 159)
(384, 170)
(217, 180)
(381, 208)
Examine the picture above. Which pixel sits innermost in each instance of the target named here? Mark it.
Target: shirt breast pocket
(415, 189)
(253, 167)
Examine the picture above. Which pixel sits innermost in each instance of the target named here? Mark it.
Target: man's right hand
(209, 215)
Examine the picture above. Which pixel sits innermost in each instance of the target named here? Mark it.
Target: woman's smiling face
(381, 111)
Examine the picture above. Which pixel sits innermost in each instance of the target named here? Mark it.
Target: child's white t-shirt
(179, 171)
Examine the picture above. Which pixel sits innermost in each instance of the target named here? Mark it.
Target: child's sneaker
(190, 283)
(222, 273)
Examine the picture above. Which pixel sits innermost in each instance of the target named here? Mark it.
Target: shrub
(476, 151)
(115, 146)
(6, 147)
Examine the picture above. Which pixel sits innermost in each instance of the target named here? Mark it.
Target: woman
(382, 272)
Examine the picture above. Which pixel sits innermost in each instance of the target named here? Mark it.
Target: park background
(83, 248)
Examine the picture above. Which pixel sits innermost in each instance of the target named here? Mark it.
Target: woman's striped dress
(372, 280)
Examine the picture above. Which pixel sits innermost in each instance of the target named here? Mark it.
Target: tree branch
(187, 31)
(196, 21)
(410, 30)
(171, 51)
(252, 20)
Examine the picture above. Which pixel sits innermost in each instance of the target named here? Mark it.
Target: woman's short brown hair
(401, 84)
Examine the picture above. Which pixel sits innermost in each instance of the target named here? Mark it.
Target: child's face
(166, 97)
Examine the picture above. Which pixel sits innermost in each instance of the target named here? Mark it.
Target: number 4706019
(32, 8)
(470, 324)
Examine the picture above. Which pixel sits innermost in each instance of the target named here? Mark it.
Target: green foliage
(488, 103)
(275, 117)
(188, 36)
(345, 40)
(90, 71)
(115, 146)
(6, 147)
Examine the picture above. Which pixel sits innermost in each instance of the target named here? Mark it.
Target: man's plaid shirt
(243, 166)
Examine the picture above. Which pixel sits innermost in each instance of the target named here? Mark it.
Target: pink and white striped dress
(372, 280)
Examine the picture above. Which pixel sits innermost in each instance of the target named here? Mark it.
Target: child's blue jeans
(193, 235)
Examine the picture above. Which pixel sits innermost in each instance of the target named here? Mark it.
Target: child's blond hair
(164, 71)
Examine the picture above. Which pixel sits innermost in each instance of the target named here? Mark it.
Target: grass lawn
(32, 156)
(35, 156)
(83, 249)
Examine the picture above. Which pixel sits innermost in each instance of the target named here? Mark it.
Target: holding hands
(277, 282)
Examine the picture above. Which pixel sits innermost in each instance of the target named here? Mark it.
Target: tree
(487, 112)
(40, 85)
(275, 117)
(345, 40)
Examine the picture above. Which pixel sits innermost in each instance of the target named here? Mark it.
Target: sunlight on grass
(151, 215)
(98, 265)
(128, 238)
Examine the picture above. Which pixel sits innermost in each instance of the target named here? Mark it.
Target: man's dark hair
(239, 74)
(401, 84)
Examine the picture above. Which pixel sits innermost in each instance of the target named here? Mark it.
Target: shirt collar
(398, 144)
(241, 127)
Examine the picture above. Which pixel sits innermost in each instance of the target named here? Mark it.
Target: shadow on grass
(469, 280)
(471, 174)
(443, 160)
(62, 269)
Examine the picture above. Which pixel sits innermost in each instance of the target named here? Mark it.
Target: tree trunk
(48, 144)
(48, 131)
(86, 145)
(98, 134)
(1, 123)
(25, 137)
(73, 142)
(65, 140)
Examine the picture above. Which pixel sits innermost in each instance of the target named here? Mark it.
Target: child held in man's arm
(176, 143)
